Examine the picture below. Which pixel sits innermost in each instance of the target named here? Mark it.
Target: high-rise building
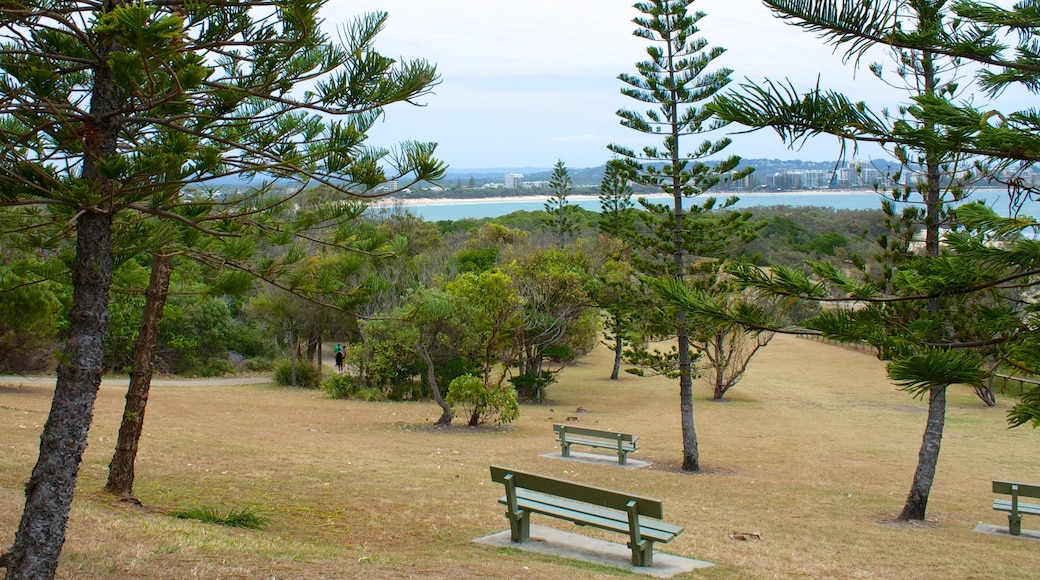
(514, 180)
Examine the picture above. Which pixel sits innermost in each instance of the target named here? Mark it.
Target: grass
(235, 517)
(814, 451)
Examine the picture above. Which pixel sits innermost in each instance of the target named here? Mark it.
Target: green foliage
(531, 386)
(346, 387)
(213, 367)
(29, 316)
(492, 309)
(482, 403)
(1027, 410)
(921, 372)
(257, 363)
(477, 259)
(616, 212)
(124, 326)
(560, 213)
(306, 375)
(250, 518)
(385, 358)
(199, 332)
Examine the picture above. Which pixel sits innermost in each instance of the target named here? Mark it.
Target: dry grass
(815, 451)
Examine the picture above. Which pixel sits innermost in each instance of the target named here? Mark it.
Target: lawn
(814, 451)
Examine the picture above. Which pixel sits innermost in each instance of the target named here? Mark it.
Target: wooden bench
(1014, 507)
(637, 517)
(572, 435)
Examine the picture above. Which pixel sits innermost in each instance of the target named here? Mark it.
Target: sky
(527, 83)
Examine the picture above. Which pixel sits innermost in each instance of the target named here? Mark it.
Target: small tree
(617, 290)
(561, 212)
(483, 403)
(442, 337)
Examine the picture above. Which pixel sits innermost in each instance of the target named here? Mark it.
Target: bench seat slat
(606, 444)
(1004, 505)
(585, 518)
(599, 511)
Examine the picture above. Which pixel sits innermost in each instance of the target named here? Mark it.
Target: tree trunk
(121, 468)
(618, 349)
(446, 414)
(321, 359)
(927, 458)
(691, 453)
(294, 354)
(48, 495)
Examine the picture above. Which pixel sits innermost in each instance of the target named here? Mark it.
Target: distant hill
(594, 175)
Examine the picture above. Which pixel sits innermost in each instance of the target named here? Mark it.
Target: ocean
(441, 210)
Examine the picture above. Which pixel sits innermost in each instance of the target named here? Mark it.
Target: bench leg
(1015, 524)
(519, 525)
(565, 449)
(622, 458)
(642, 553)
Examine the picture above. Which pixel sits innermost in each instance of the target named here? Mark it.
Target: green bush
(306, 375)
(408, 390)
(257, 364)
(349, 387)
(531, 386)
(482, 403)
(214, 367)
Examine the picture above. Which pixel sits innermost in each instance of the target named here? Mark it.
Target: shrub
(407, 390)
(531, 386)
(483, 403)
(338, 386)
(306, 375)
(258, 363)
(348, 387)
(214, 367)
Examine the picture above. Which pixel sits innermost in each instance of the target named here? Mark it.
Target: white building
(514, 180)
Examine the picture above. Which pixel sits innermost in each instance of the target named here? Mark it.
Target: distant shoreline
(425, 201)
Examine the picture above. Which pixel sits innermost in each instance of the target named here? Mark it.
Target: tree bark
(691, 453)
(446, 414)
(927, 458)
(48, 495)
(121, 468)
(618, 348)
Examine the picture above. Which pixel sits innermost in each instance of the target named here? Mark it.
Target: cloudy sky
(525, 83)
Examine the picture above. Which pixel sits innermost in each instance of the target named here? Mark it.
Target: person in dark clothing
(339, 361)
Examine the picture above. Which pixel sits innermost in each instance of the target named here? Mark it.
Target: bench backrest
(557, 428)
(618, 500)
(1024, 489)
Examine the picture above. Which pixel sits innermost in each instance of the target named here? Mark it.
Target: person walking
(339, 358)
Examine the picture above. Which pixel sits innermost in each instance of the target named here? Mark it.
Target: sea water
(441, 210)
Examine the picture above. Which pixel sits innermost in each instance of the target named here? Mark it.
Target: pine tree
(112, 108)
(676, 78)
(921, 316)
(561, 212)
